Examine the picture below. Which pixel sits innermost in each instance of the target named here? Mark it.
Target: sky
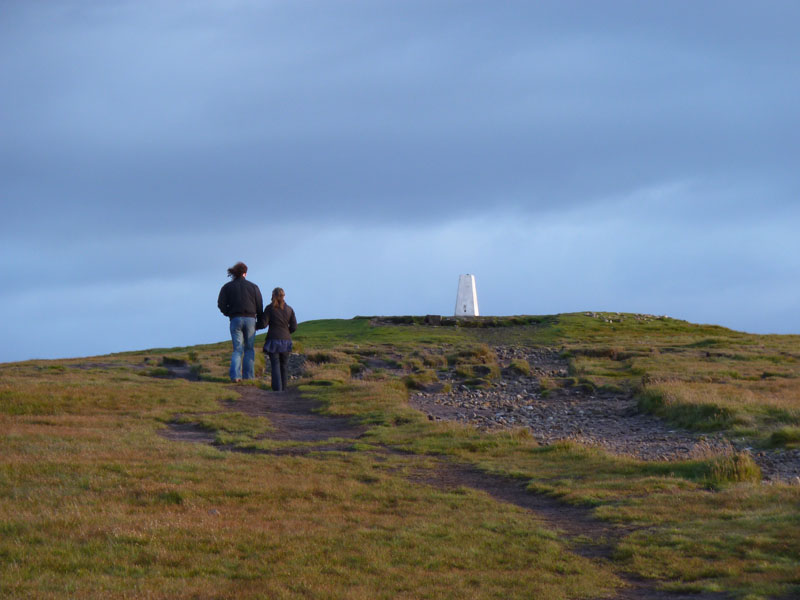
(624, 155)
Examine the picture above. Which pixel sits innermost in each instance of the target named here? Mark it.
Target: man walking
(241, 301)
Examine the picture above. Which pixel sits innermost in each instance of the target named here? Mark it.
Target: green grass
(95, 503)
(786, 436)
(420, 379)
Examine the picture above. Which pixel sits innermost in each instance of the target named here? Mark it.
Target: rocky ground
(607, 420)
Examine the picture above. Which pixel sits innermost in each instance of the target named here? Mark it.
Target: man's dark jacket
(241, 298)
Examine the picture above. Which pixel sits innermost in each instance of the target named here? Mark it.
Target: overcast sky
(635, 156)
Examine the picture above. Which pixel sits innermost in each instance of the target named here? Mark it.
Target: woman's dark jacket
(281, 321)
(240, 298)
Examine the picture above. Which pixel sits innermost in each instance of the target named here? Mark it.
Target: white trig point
(467, 299)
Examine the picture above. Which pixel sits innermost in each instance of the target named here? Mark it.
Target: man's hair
(237, 270)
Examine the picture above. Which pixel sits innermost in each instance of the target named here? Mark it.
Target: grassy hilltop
(96, 503)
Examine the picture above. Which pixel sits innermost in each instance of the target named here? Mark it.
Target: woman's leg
(275, 367)
(284, 360)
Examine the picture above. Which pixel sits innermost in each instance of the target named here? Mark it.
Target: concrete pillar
(467, 298)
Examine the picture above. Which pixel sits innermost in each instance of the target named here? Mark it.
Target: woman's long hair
(277, 298)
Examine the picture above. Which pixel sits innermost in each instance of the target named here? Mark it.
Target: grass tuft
(481, 354)
(733, 468)
(172, 497)
(667, 402)
(520, 367)
(478, 371)
(788, 437)
(320, 357)
(420, 380)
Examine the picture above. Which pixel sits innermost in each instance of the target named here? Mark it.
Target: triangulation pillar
(467, 298)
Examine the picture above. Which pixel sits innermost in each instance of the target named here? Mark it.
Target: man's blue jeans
(243, 334)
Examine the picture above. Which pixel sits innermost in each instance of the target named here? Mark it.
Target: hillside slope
(412, 461)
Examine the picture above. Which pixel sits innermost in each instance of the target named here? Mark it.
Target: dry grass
(95, 504)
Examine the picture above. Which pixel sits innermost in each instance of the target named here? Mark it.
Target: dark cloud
(152, 116)
(142, 141)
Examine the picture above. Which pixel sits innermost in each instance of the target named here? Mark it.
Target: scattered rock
(606, 420)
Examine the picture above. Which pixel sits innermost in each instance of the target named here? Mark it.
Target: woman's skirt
(278, 346)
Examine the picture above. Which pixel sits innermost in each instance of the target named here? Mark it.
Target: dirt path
(292, 416)
(295, 419)
(587, 536)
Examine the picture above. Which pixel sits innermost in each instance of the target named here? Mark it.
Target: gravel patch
(607, 420)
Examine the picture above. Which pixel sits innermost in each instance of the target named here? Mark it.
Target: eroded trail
(295, 419)
(292, 416)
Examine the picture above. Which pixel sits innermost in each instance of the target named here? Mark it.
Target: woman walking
(280, 318)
